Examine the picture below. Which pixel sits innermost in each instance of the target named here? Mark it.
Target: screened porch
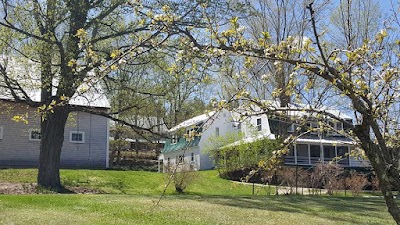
(307, 154)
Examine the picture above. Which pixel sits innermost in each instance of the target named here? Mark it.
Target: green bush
(244, 156)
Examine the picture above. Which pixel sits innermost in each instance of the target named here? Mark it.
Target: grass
(210, 200)
(136, 182)
(189, 209)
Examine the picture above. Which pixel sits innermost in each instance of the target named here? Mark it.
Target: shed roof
(89, 93)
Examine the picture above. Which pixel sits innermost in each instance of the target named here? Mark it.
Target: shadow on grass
(339, 209)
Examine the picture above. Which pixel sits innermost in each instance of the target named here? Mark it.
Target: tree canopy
(74, 42)
(363, 73)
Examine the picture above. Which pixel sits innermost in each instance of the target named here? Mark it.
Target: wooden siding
(16, 150)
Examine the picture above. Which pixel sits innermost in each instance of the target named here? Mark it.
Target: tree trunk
(375, 156)
(386, 186)
(52, 130)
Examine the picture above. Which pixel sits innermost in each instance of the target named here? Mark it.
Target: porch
(308, 154)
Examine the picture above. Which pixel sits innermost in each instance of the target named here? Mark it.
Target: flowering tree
(366, 77)
(76, 42)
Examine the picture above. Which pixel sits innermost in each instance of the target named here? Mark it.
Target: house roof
(323, 141)
(293, 109)
(88, 98)
(89, 93)
(193, 121)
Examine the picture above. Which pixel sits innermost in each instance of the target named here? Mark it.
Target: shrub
(183, 177)
(333, 180)
(356, 183)
(246, 156)
(288, 178)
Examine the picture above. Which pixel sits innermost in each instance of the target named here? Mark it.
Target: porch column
(295, 153)
(336, 154)
(309, 155)
(349, 151)
(322, 153)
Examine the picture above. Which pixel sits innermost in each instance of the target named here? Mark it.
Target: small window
(291, 128)
(77, 137)
(174, 139)
(339, 126)
(274, 125)
(1, 133)
(179, 159)
(192, 157)
(217, 131)
(331, 132)
(237, 125)
(259, 128)
(314, 128)
(35, 135)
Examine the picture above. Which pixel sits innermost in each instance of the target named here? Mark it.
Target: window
(77, 137)
(337, 126)
(273, 125)
(179, 159)
(174, 139)
(329, 152)
(35, 135)
(237, 125)
(192, 157)
(347, 125)
(217, 131)
(314, 128)
(315, 151)
(259, 128)
(302, 150)
(292, 128)
(342, 151)
(1, 133)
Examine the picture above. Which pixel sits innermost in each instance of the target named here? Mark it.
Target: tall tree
(366, 74)
(80, 42)
(72, 42)
(279, 19)
(354, 22)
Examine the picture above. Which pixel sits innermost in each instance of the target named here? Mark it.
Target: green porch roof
(180, 145)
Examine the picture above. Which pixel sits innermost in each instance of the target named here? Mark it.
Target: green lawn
(210, 200)
(137, 182)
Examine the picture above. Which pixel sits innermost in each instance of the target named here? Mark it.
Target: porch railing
(304, 160)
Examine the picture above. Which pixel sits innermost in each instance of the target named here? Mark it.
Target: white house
(178, 149)
(307, 150)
